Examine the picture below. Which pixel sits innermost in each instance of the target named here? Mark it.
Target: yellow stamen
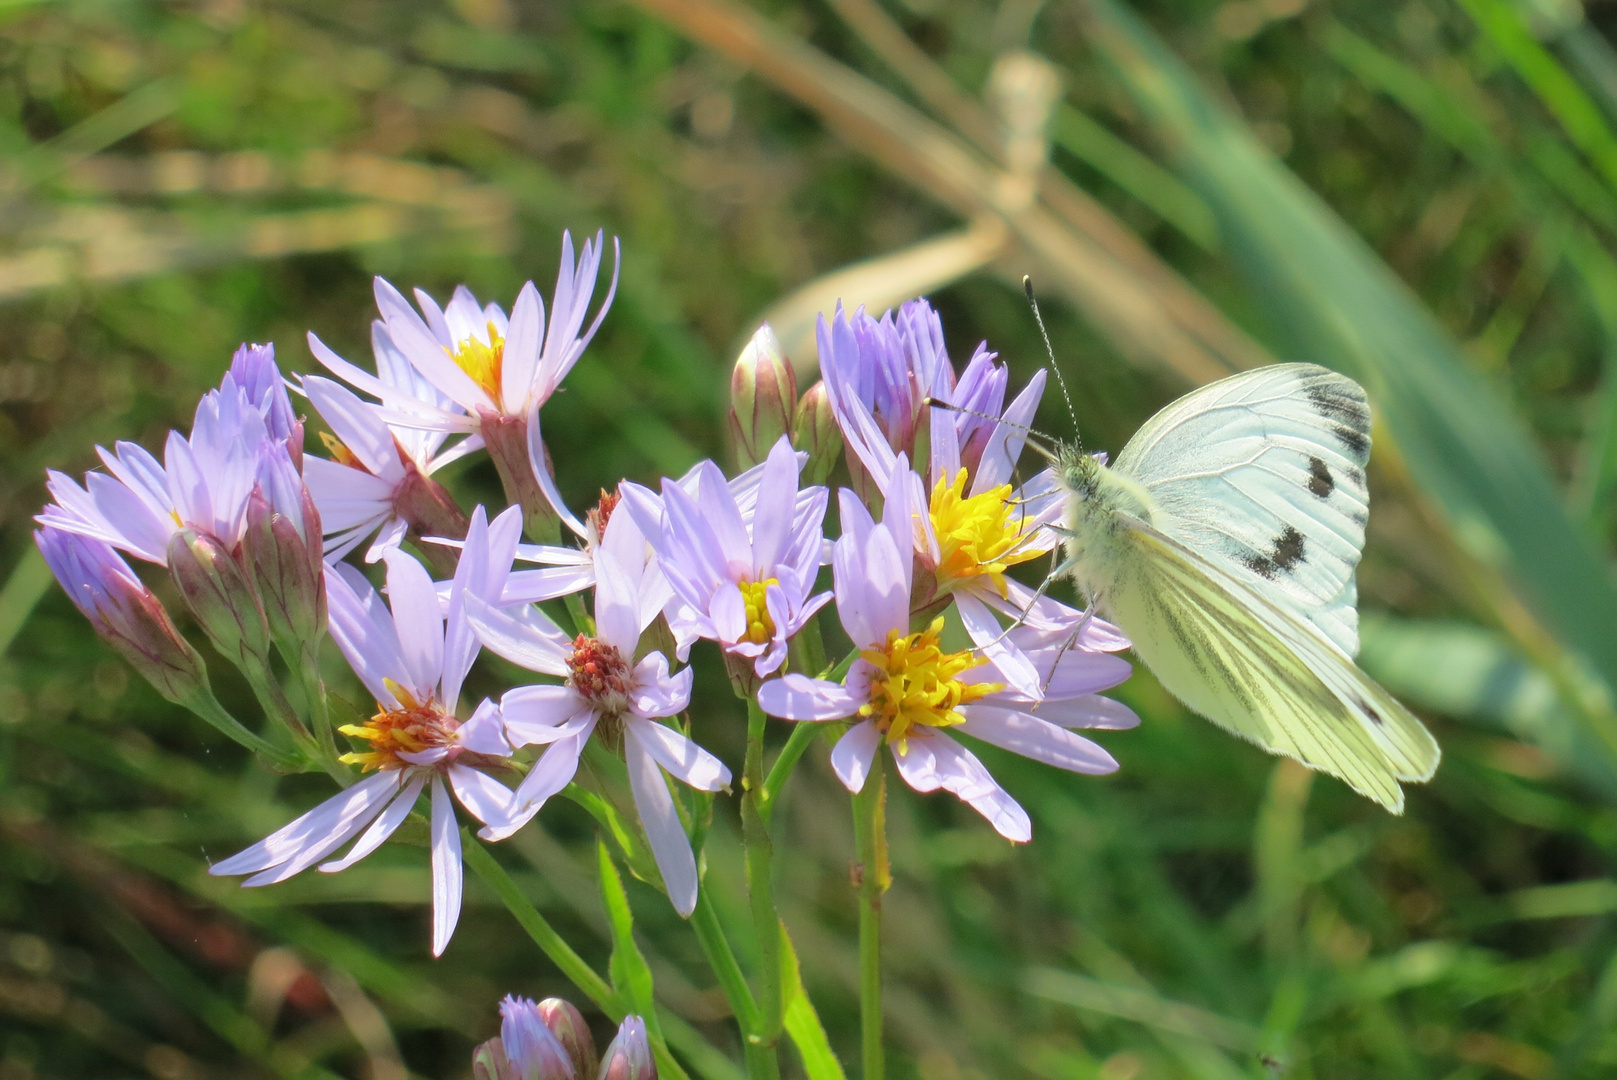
(340, 453)
(978, 535)
(760, 627)
(482, 361)
(411, 728)
(916, 682)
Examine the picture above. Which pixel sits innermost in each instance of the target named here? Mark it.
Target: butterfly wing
(1263, 474)
(1257, 668)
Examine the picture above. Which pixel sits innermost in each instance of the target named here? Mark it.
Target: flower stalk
(760, 888)
(871, 878)
(507, 440)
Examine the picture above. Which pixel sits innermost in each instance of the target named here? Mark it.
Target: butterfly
(1223, 541)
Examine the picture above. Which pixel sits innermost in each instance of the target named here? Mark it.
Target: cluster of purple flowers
(256, 533)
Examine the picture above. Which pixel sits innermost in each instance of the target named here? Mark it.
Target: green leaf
(802, 1022)
(1470, 673)
(631, 975)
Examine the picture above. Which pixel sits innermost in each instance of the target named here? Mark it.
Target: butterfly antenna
(1027, 287)
(1034, 437)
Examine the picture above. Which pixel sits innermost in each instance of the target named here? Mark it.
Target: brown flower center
(600, 675)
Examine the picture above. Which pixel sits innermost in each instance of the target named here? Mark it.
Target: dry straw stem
(1146, 308)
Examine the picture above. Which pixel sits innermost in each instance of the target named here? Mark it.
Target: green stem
(760, 888)
(870, 834)
(802, 735)
(206, 706)
(314, 688)
(551, 944)
(716, 947)
(543, 934)
(762, 1062)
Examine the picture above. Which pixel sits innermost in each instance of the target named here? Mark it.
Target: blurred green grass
(179, 179)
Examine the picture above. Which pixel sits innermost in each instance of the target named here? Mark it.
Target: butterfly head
(1079, 472)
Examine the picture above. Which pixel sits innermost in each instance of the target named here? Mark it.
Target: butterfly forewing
(1263, 474)
(1257, 668)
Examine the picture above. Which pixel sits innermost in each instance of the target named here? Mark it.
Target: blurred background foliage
(1422, 193)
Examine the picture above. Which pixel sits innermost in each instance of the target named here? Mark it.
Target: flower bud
(125, 613)
(567, 1024)
(628, 1056)
(763, 392)
(219, 596)
(254, 371)
(532, 1050)
(282, 546)
(490, 1063)
(814, 429)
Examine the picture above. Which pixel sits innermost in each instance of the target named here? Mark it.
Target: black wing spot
(1355, 440)
(1343, 408)
(1320, 481)
(1287, 553)
(1371, 713)
(1349, 414)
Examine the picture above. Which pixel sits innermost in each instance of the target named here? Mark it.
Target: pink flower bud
(220, 597)
(532, 1050)
(490, 1063)
(628, 1056)
(763, 392)
(814, 430)
(125, 613)
(282, 549)
(567, 1024)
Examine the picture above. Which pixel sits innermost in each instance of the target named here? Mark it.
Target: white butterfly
(1223, 541)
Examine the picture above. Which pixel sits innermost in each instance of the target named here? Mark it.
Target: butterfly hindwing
(1258, 669)
(1263, 474)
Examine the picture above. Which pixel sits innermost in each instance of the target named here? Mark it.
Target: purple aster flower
(907, 690)
(253, 369)
(413, 664)
(568, 570)
(970, 525)
(745, 578)
(377, 479)
(124, 612)
(879, 373)
(203, 482)
(477, 361)
(606, 693)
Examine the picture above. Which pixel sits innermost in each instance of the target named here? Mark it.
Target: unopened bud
(628, 1056)
(490, 1063)
(814, 430)
(125, 613)
(282, 546)
(532, 1050)
(253, 369)
(221, 599)
(567, 1024)
(763, 392)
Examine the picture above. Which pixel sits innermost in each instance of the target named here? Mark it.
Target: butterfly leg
(1083, 623)
(1044, 587)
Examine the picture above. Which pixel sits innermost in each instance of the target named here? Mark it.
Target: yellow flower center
(482, 361)
(977, 534)
(915, 682)
(411, 728)
(760, 627)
